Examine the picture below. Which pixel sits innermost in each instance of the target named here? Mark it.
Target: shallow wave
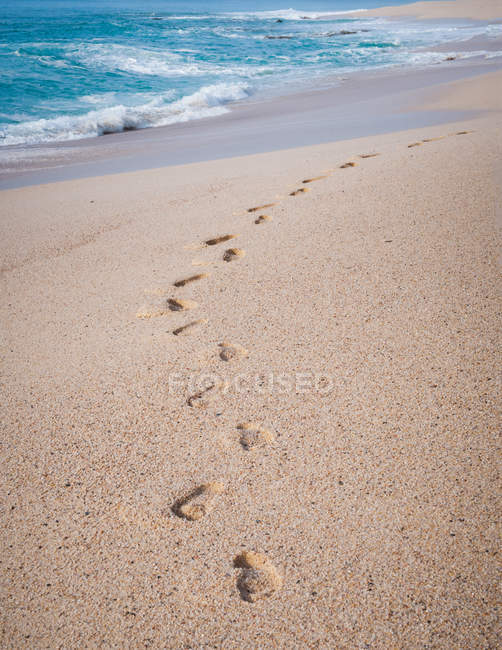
(160, 63)
(124, 58)
(209, 101)
(291, 14)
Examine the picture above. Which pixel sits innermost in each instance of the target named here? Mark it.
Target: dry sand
(472, 9)
(361, 512)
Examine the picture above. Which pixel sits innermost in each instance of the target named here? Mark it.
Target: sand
(471, 9)
(336, 484)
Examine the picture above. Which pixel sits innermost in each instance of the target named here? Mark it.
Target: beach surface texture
(473, 9)
(254, 402)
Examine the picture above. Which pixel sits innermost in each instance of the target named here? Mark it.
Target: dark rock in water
(450, 58)
(365, 30)
(344, 32)
(112, 131)
(155, 18)
(279, 20)
(305, 17)
(278, 38)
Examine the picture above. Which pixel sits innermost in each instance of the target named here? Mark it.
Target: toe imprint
(232, 351)
(253, 435)
(233, 254)
(181, 305)
(219, 240)
(261, 207)
(192, 278)
(259, 578)
(199, 502)
(262, 218)
(184, 328)
(348, 164)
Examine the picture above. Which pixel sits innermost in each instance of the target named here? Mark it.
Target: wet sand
(361, 104)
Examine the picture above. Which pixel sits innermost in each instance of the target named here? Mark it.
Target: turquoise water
(71, 70)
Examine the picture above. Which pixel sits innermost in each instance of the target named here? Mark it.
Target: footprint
(440, 137)
(207, 395)
(253, 435)
(233, 254)
(259, 578)
(232, 351)
(262, 218)
(368, 155)
(183, 328)
(316, 178)
(219, 240)
(463, 132)
(348, 164)
(181, 305)
(261, 207)
(199, 502)
(301, 190)
(192, 278)
(146, 313)
(415, 144)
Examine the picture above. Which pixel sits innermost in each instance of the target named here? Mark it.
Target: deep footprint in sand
(462, 132)
(368, 155)
(261, 207)
(200, 502)
(176, 304)
(231, 351)
(192, 278)
(301, 190)
(254, 436)
(415, 144)
(259, 577)
(315, 178)
(207, 395)
(348, 164)
(232, 254)
(219, 240)
(439, 137)
(263, 218)
(188, 326)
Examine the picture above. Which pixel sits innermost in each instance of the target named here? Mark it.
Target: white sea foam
(291, 14)
(209, 101)
(160, 63)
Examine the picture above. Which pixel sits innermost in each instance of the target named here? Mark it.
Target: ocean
(76, 69)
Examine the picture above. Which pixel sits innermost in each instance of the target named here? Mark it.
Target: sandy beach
(314, 461)
(478, 10)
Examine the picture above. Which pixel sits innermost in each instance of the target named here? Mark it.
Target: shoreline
(287, 121)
